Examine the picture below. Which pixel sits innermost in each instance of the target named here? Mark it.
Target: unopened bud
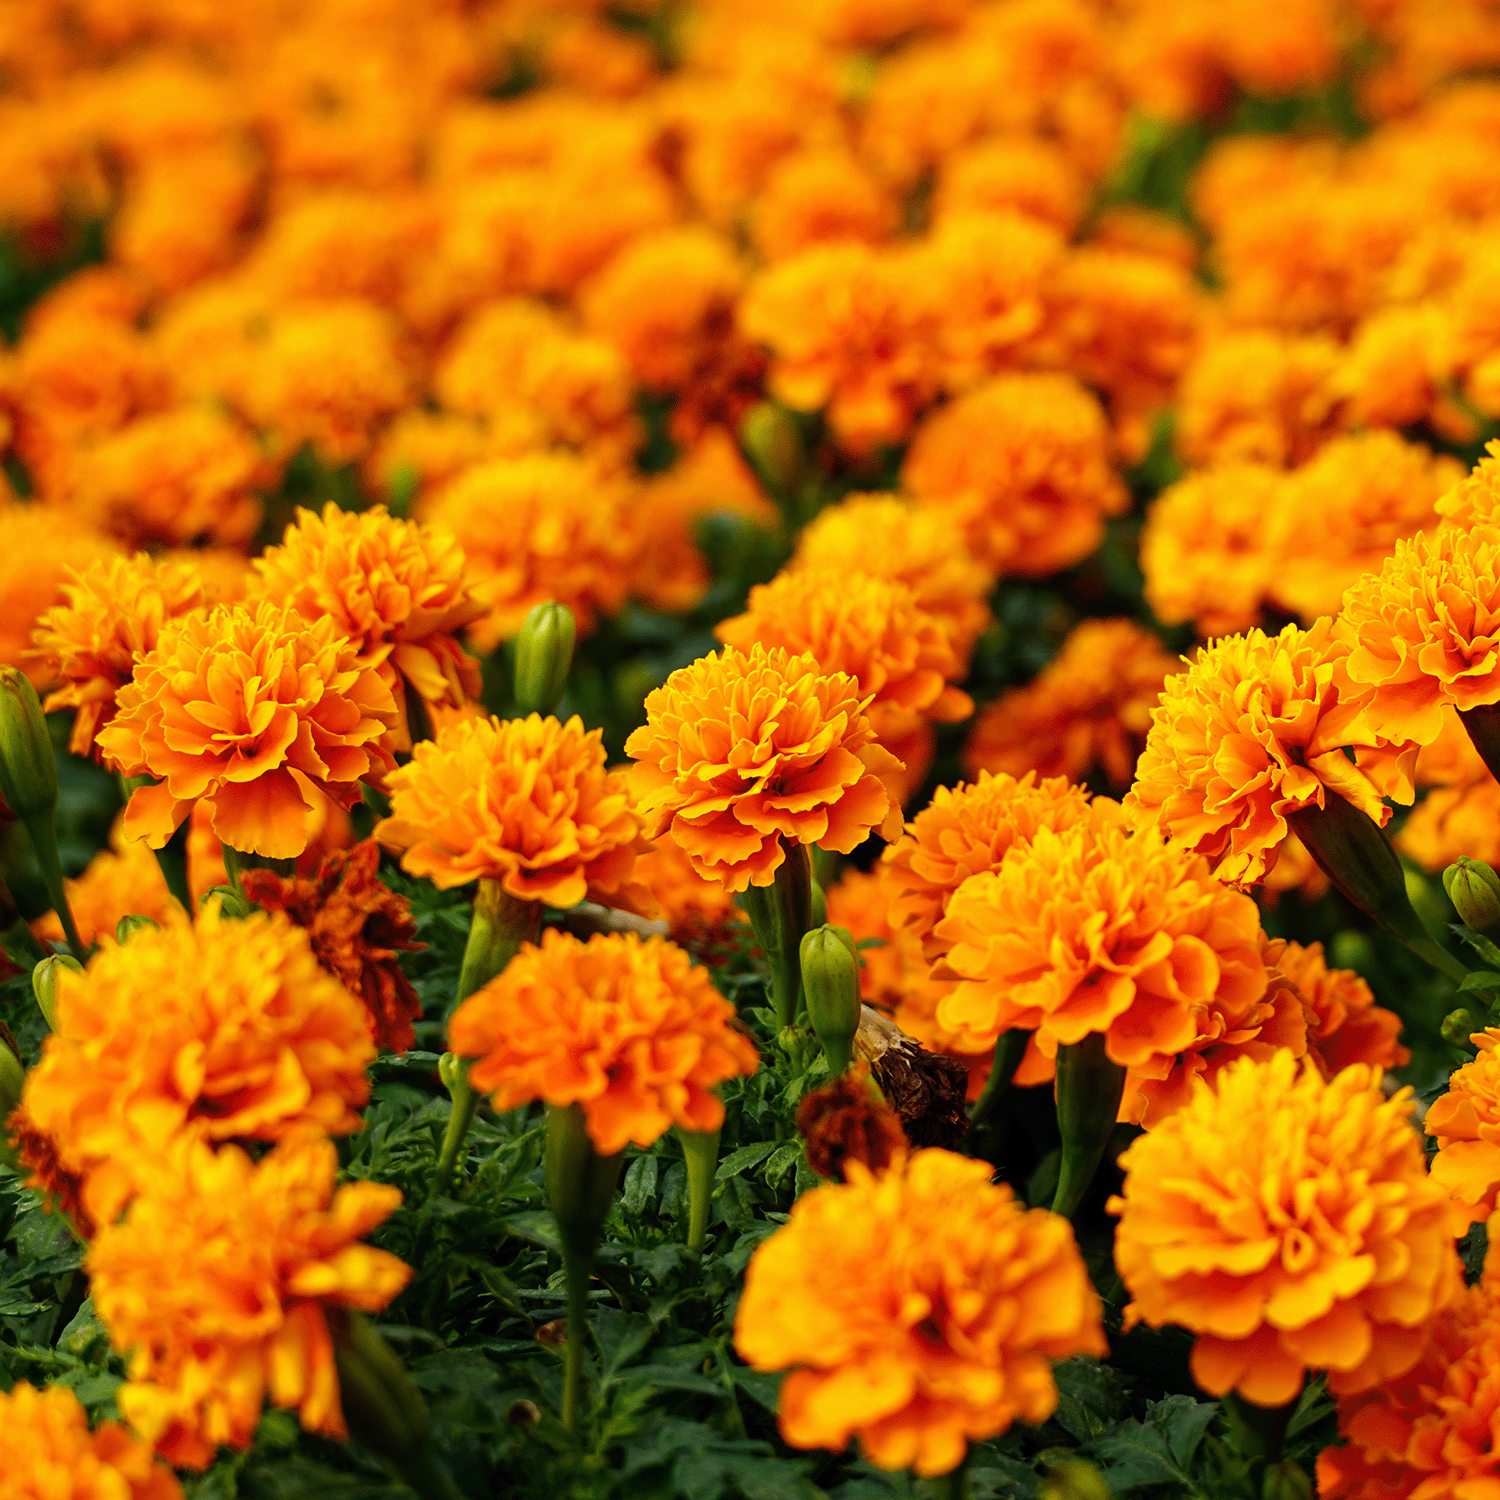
(231, 903)
(544, 654)
(1074, 1479)
(44, 983)
(830, 986)
(1459, 1025)
(1474, 889)
(773, 444)
(127, 927)
(1287, 1480)
(28, 766)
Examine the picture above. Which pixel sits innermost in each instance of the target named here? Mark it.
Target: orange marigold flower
(632, 1031)
(850, 1120)
(1091, 706)
(1256, 728)
(358, 927)
(1024, 462)
(1026, 175)
(1427, 630)
(920, 546)
(700, 914)
(60, 1187)
(114, 611)
(261, 1256)
(965, 830)
(54, 1456)
(1290, 1223)
(1345, 1026)
(1463, 818)
(395, 588)
(918, 1309)
(328, 829)
(527, 802)
(1475, 499)
(546, 526)
(1466, 1122)
(743, 750)
(122, 879)
(1101, 931)
(218, 1029)
(253, 710)
(818, 196)
(1426, 1431)
(1205, 548)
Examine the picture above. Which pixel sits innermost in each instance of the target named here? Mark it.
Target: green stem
(501, 924)
(454, 1071)
(1089, 1089)
(953, 1485)
(577, 1269)
(700, 1150)
(780, 914)
(43, 831)
(1010, 1048)
(1260, 1431)
(233, 864)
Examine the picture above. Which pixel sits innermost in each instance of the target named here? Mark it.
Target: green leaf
(1481, 979)
(743, 1159)
(537, 1227)
(1479, 943)
(1159, 1450)
(640, 1184)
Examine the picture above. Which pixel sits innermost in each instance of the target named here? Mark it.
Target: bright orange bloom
(700, 914)
(1427, 630)
(358, 927)
(1463, 818)
(253, 710)
(919, 546)
(524, 801)
(396, 589)
(918, 1309)
(1290, 1223)
(1090, 706)
(1028, 176)
(632, 1031)
(1345, 1026)
(742, 750)
(1024, 462)
(1475, 499)
(122, 879)
(965, 830)
(1426, 1432)
(219, 1029)
(1255, 728)
(54, 1456)
(328, 829)
(1466, 1122)
(259, 1254)
(819, 196)
(114, 613)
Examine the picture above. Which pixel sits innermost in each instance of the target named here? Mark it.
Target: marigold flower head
(700, 914)
(122, 879)
(358, 927)
(218, 1029)
(395, 588)
(968, 829)
(1344, 1024)
(527, 802)
(253, 710)
(55, 1456)
(1290, 1223)
(819, 196)
(1024, 461)
(260, 1254)
(1475, 499)
(1027, 176)
(546, 526)
(629, 1030)
(743, 750)
(918, 1309)
(1256, 728)
(850, 1120)
(114, 610)
(1466, 1122)
(1426, 631)
(1091, 706)
(920, 546)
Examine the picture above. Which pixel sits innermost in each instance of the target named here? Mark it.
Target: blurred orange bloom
(1344, 1024)
(1466, 1122)
(1475, 499)
(119, 880)
(700, 914)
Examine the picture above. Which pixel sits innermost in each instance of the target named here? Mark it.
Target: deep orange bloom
(60, 1187)
(1466, 1122)
(358, 927)
(1290, 1223)
(917, 1309)
(1255, 728)
(632, 1031)
(1345, 1026)
(524, 801)
(1090, 706)
(819, 196)
(256, 1254)
(742, 750)
(396, 589)
(220, 1029)
(53, 1455)
(253, 710)
(114, 611)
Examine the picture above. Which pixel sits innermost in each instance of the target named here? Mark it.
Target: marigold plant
(916, 1309)
(1291, 1225)
(629, 1030)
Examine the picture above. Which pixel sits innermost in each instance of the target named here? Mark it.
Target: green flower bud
(127, 927)
(1459, 1025)
(1287, 1480)
(231, 902)
(1474, 889)
(772, 442)
(1074, 1479)
(44, 983)
(830, 986)
(28, 767)
(544, 653)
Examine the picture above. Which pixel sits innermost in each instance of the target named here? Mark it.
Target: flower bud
(544, 654)
(1287, 1480)
(1074, 1479)
(44, 983)
(231, 902)
(1459, 1025)
(1474, 889)
(127, 927)
(773, 443)
(28, 767)
(830, 985)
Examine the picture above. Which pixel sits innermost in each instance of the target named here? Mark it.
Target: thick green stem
(780, 914)
(454, 1072)
(1483, 725)
(950, 1486)
(1259, 1431)
(43, 830)
(577, 1269)
(1009, 1050)
(501, 924)
(233, 864)
(1089, 1089)
(700, 1150)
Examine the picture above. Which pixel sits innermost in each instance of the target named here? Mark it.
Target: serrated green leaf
(640, 1184)
(1481, 979)
(743, 1159)
(1479, 943)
